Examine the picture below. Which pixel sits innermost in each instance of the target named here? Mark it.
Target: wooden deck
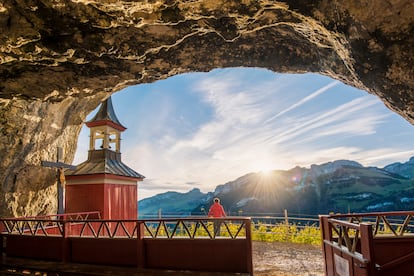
(21, 266)
(67, 246)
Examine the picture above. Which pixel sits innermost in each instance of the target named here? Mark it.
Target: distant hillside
(178, 204)
(338, 186)
(403, 169)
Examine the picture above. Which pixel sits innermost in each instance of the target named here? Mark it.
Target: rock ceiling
(59, 59)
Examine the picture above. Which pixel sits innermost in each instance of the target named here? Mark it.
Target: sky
(201, 130)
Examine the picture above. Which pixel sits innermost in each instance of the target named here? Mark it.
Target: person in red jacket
(216, 211)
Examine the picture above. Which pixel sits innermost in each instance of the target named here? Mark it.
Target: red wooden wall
(85, 198)
(114, 197)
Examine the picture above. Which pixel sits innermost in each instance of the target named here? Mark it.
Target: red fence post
(1, 243)
(326, 234)
(3, 237)
(367, 246)
(248, 226)
(2, 228)
(66, 252)
(141, 263)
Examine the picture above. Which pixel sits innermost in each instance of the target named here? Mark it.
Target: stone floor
(269, 259)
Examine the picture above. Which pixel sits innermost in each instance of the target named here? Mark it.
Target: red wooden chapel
(76, 241)
(103, 182)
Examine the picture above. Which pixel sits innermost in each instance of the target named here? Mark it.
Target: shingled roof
(106, 113)
(104, 162)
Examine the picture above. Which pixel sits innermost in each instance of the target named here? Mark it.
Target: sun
(265, 172)
(265, 184)
(264, 168)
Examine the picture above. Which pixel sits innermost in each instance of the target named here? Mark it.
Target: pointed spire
(106, 115)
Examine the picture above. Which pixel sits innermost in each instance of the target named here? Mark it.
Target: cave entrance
(200, 130)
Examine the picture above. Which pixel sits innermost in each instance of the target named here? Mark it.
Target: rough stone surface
(59, 59)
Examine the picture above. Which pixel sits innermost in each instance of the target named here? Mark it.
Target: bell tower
(103, 182)
(105, 129)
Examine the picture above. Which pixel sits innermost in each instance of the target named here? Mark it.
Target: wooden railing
(359, 238)
(67, 216)
(394, 223)
(80, 225)
(172, 244)
(44, 225)
(231, 227)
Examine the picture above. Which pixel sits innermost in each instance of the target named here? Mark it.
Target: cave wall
(59, 59)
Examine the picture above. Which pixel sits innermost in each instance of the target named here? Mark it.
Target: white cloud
(385, 156)
(354, 118)
(236, 141)
(258, 122)
(304, 100)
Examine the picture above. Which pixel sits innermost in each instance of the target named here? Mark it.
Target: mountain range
(340, 186)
